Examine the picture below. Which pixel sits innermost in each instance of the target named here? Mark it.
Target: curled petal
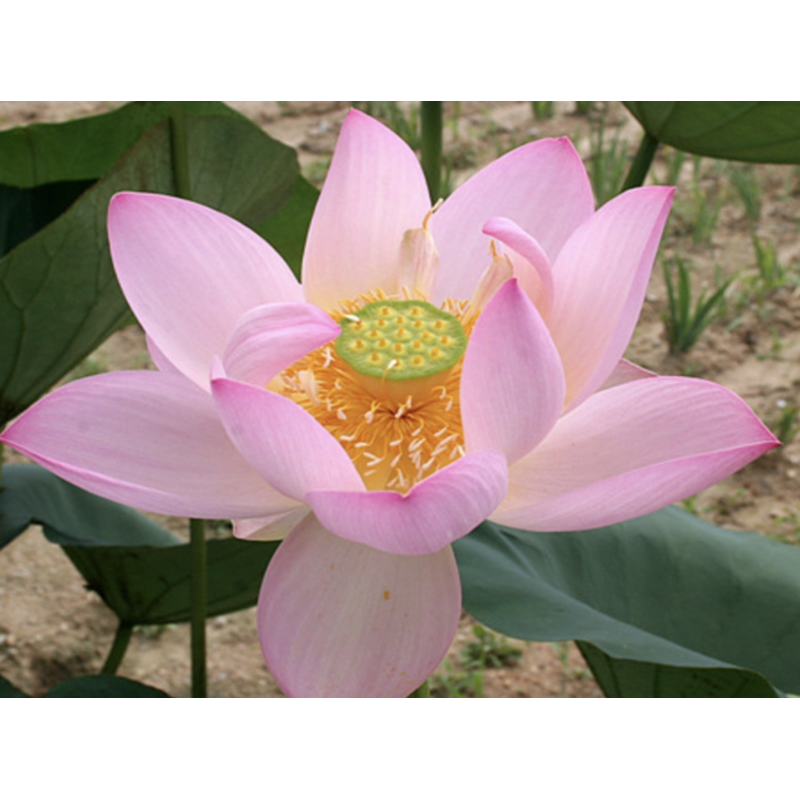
(531, 265)
(269, 338)
(631, 450)
(147, 439)
(374, 192)
(337, 619)
(283, 441)
(542, 186)
(600, 280)
(189, 273)
(434, 513)
(512, 382)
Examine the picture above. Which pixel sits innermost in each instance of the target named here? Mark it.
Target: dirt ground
(52, 628)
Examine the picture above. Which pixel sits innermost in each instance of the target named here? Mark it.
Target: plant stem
(431, 148)
(199, 599)
(641, 162)
(180, 154)
(118, 648)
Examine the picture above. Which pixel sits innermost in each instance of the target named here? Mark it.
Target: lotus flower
(434, 369)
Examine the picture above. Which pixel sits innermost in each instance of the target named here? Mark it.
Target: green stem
(641, 162)
(431, 148)
(199, 600)
(1, 465)
(118, 648)
(180, 154)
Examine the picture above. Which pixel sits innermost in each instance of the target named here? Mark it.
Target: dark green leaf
(620, 677)
(23, 212)
(86, 148)
(286, 231)
(141, 570)
(59, 298)
(151, 586)
(104, 686)
(69, 515)
(7, 689)
(666, 589)
(764, 131)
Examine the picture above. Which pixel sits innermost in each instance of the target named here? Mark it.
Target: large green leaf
(104, 686)
(622, 677)
(766, 131)
(664, 590)
(89, 686)
(152, 586)
(7, 689)
(86, 148)
(68, 515)
(141, 570)
(287, 229)
(59, 298)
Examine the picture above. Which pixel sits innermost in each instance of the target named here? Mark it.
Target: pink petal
(269, 529)
(631, 450)
(337, 619)
(146, 439)
(531, 265)
(625, 372)
(512, 382)
(542, 186)
(159, 359)
(269, 338)
(375, 191)
(436, 512)
(283, 441)
(189, 273)
(600, 280)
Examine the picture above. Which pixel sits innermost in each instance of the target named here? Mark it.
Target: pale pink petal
(159, 359)
(269, 529)
(625, 372)
(189, 273)
(147, 439)
(542, 186)
(531, 265)
(435, 512)
(512, 382)
(282, 441)
(269, 338)
(631, 450)
(374, 192)
(600, 280)
(337, 619)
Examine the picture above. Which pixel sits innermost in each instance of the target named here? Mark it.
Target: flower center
(388, 388)
(400, 348)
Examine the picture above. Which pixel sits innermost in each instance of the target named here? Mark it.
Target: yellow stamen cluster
(395, 439)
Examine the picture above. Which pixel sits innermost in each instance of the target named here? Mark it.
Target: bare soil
(52, 628)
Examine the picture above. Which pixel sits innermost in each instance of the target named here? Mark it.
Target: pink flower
(295, 410)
